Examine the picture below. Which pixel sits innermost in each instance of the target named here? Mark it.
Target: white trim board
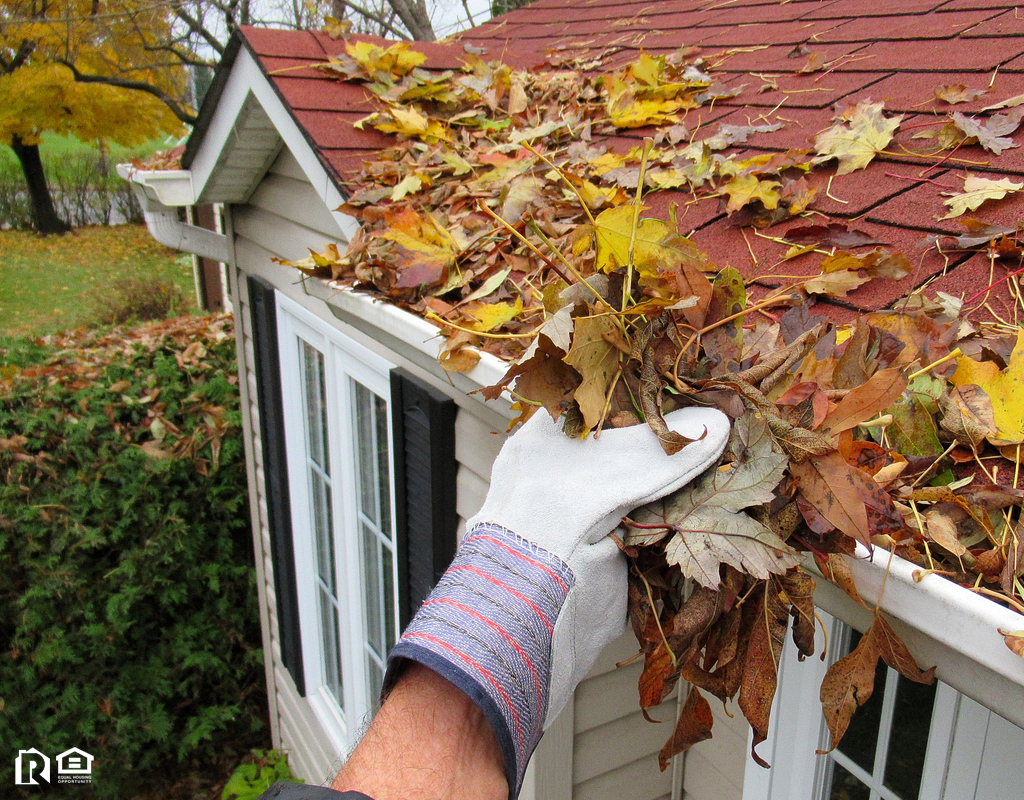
(246, 80)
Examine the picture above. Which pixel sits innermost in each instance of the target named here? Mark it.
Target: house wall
(600, 748)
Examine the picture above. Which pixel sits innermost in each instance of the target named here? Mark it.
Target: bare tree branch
(197, 27)
(385, 25)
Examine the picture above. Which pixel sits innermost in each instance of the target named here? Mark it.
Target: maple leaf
(858, 136)
(706, 520)
(423, 249)
(977, 191)
(745, 189)
(1005, 389)
(958, 93)
(408, 122)
(366, 60)
(992, 134)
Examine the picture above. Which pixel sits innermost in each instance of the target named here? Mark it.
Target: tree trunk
(44, 215)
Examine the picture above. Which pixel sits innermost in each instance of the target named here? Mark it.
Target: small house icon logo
(29, 766)
(74, 766)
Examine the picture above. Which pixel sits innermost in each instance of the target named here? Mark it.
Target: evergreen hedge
(129, 624)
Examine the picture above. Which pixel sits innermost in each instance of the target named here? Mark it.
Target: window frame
(346, 363)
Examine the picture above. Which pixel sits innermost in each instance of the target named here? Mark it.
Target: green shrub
(128, 617)
(141, 298)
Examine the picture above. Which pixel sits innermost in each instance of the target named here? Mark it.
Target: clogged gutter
(500, 216)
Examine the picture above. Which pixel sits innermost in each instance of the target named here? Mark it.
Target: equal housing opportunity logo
(33, 768)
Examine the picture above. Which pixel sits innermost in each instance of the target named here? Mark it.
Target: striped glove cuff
(487, 628)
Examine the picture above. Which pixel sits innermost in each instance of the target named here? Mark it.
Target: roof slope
(794, 62)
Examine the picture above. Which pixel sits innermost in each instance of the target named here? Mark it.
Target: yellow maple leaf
(745, 189)
(859, 134)
(397, 60)
(613, 234)
(977, 191)
(412, 123)
(1005, 388)
(488, 316)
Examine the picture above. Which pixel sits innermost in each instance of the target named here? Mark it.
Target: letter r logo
(29, 765)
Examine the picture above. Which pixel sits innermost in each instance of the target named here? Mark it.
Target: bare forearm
(429, 742)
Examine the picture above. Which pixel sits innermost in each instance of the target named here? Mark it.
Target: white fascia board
(246, 77)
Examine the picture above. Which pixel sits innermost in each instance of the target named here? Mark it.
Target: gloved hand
(537, 588)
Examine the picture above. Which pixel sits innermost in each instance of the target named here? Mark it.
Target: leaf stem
(485, 334)
(627, 287)
(925, 370)
(533, 248)
(657, 619)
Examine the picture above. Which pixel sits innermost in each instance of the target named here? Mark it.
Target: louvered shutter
(424, 434)
(263, 314)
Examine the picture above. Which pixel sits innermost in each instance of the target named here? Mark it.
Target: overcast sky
(449, 16)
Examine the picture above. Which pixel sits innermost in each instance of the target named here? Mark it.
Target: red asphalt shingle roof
(898, 53)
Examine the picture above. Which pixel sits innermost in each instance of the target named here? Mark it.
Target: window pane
(315, 385)
(374, 591)
(331, 642)
(861, 737)
(846, 787)
(320, 490)
(387, 568)
(383, 466)
(911, 721)
(366, 449)
(376, 681)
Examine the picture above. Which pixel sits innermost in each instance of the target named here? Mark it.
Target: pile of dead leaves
(501, 216)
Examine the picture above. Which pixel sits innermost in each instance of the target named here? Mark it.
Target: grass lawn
(59, 282)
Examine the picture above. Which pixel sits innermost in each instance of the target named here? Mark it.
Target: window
(335, 396)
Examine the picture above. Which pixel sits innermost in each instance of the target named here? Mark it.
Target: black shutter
(263, 314)
(424, 433)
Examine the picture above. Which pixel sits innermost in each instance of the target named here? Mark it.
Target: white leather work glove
(537, 588)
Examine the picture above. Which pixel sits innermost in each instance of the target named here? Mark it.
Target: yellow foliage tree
(91, 68)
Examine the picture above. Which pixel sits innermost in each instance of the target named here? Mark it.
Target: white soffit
(245, 135)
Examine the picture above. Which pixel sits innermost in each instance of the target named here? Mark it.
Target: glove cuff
(487, 628)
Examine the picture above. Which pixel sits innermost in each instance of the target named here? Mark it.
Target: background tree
(64, 68)
(65, 65)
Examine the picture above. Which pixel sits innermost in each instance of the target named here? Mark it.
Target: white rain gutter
(161, 193)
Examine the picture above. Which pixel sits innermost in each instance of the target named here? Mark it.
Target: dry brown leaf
(837, 491)
(761, 670)
(694, 725)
